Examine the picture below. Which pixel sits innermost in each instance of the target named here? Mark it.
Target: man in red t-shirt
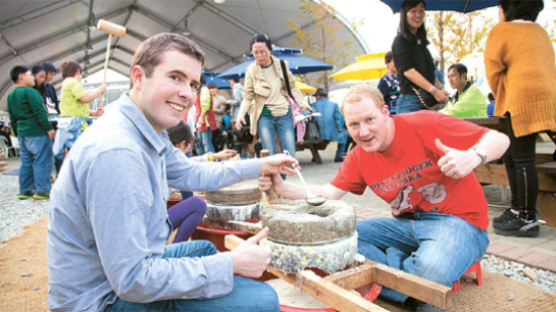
(421, 164)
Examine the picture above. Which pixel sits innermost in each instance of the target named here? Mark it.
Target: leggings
(185, 216)
(522, 172)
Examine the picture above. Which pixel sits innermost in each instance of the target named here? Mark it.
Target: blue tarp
(298, 64)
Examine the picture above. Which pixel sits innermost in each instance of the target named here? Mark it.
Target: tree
(550, 25)
(322, 39)
(456, 35)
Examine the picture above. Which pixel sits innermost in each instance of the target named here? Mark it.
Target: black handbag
(312, 133)
(244, 134)
(426, 99)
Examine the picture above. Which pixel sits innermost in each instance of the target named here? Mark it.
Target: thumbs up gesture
(251, 259)
(456, 163)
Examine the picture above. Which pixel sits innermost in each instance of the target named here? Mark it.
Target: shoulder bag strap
(286, 80)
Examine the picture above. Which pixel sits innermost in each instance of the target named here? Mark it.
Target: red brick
(548, 264)
(515, 253)
(534, 258)
(497, 248)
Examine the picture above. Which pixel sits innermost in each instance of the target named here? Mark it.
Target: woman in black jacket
(413, 60)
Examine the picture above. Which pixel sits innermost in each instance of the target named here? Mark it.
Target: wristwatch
(481, 152)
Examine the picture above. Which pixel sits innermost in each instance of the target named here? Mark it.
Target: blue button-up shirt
(108, 224)
(331, 122)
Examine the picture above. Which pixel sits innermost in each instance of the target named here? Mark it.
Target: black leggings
(522, 172)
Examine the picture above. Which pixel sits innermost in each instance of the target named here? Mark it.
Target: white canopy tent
(38, 31)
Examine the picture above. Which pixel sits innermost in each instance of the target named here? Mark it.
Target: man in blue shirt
(331, 122)
(108, 224)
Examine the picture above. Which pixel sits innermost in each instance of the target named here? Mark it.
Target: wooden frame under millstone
(334, 289)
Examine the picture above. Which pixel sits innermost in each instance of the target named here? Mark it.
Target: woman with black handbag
(418, 86)
(266, 98)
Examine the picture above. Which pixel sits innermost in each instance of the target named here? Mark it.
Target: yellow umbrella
(303, 87)
(367, 67)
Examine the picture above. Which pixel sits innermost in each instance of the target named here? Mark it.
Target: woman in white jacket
(266, 100)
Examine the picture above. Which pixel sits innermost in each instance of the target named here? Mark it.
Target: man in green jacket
(29, 122)
(468, 101)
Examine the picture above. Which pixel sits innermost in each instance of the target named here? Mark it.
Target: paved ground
(538, 252)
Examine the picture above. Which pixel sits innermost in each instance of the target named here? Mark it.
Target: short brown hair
(358, 92)
(149, 51)
(69, 69)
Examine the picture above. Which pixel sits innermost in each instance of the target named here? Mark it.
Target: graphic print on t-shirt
(433, 193)
(403, 177)
(401, 202)
(407, 197)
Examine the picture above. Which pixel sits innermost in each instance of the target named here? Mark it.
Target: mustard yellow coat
(519, 62)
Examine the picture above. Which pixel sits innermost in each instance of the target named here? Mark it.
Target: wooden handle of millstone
(270, 194)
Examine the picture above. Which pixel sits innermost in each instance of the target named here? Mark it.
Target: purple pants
(185, 216)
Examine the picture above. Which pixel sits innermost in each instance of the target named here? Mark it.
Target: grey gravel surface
(15, 214)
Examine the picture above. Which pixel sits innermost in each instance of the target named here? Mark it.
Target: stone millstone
(219, 212)
(242, 193)
(301, 223)
(328, 257)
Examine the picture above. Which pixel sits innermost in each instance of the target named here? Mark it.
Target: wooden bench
(495, 172)
(314, 147)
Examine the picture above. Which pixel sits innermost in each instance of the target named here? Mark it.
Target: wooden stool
(478, 274)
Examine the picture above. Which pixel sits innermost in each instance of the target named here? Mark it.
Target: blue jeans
(36, 163)
(434, 246)
(206, 141)
(268, 126)
(407, 103)
(247, 295)
(342, 142)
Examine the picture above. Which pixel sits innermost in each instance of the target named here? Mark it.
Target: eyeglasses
(260, 52)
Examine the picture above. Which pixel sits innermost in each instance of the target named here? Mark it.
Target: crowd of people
(172, 133)
(45, 127)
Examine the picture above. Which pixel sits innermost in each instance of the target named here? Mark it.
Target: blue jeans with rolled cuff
(434, 246)
(36, 163)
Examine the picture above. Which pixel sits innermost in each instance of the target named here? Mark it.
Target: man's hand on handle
(250, 259)
(278, 163)
(270, 182)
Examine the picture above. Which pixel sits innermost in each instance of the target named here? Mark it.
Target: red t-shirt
(407, 175)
